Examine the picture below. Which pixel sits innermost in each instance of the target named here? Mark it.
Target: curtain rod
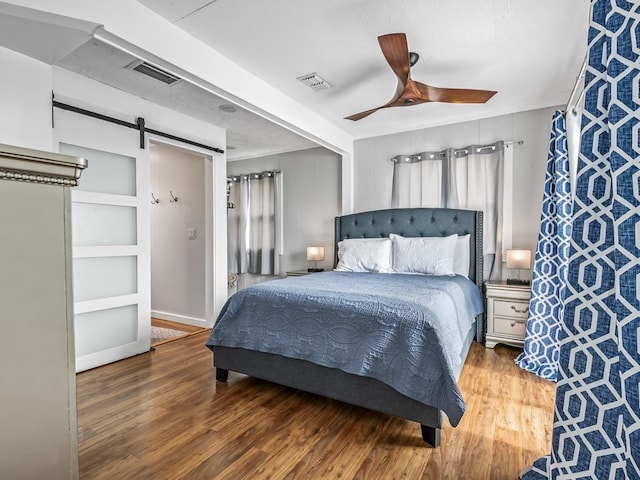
(417, 157)
(577, 84)
(139, 125)
(252, 176)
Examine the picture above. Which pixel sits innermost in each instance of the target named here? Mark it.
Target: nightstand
(507, 313)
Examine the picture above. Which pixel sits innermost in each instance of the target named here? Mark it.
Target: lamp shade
(519, 259)
(315, 254)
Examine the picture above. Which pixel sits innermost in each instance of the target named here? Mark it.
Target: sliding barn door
(110, 239)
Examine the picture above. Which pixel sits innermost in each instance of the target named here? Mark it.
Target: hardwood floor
(179, 326)
(162, 415)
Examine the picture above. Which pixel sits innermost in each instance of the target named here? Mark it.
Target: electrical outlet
(191, 233)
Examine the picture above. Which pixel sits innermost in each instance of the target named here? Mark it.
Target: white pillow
(431, 255)
(461, 256)
(364, 255)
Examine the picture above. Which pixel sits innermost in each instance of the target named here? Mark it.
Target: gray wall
(373, 169)
(177, 263)
(311, 195)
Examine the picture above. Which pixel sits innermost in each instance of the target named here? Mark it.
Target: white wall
(373, 169)
(311, 196)
(177, 263)
(25, 101)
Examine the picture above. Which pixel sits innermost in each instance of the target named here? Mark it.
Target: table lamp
(315, 254)
(518, 259)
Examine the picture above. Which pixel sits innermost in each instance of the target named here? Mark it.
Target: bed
(382, 341)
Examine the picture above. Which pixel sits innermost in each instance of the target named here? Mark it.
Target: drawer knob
(515, 322)
(513, 307)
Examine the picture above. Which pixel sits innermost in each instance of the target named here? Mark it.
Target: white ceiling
(529, 51)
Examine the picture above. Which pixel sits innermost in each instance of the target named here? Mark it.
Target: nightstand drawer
(510, 327)
(507, 313)
(511, 309)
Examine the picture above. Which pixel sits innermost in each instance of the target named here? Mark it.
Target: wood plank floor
(158, 322)
(162, 415)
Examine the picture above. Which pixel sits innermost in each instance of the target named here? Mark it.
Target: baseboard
(171, 317)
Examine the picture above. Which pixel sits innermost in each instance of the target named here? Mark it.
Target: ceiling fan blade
(409, 92)
(395, 50)
(358, 116)
(391, 103)
(453, 95)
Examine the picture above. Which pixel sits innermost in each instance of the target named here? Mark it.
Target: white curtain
(470, 178)
(417, 180)
(477, 183)
(254, 223)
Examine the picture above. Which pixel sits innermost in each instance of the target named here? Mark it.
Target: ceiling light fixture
(315, 82)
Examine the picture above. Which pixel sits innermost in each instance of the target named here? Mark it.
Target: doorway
(179, 240)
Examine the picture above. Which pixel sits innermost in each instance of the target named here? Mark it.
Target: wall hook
(173, 197)
(154, 200)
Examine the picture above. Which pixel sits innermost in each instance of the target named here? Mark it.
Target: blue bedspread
(407, 331)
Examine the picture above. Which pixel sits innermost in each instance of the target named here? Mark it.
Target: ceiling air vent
(315, 82)
(154, 72)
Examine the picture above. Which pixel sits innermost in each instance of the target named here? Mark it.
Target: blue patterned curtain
(549, 279)
(596, 431)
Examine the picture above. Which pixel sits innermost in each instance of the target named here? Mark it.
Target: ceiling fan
(409, 92)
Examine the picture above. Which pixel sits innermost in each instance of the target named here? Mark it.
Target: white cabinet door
(110, 238)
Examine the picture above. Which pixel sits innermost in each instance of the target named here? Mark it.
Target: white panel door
(110, 238)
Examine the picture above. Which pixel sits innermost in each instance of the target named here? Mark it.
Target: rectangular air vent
(315, 82)
(154, 72)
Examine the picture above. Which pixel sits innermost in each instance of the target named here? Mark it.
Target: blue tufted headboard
(416, 222)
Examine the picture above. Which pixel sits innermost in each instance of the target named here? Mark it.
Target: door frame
(213, 161)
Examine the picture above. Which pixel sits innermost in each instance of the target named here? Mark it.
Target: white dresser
(38, 434)
(507, 313)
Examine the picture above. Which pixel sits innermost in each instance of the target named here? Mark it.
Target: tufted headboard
(416, 222)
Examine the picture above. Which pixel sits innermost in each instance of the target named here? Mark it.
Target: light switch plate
(191, 233)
